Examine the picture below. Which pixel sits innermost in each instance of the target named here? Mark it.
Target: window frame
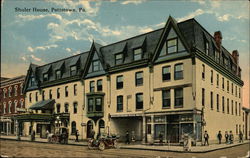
(91, 86)
(139, 81)
(73, 72)
(176, 45)
(99, 85)
(139, 103)
(181, 72)
(166, 99)
(45, 77)
(120, 59)
(98, 66)
(119, 103)
(178, 98)
(75, 106)
(138, 54)
(165, 76)
(58, 76)
(119, 85)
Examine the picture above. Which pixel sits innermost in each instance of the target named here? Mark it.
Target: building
(175, 80)
(12, 103)
(246, 120)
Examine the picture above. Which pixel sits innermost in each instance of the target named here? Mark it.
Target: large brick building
(12, 102)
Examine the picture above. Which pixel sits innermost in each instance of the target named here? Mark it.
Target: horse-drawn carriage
(60, 136)
(103, 142)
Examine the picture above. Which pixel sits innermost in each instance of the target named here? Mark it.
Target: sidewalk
(194, 149)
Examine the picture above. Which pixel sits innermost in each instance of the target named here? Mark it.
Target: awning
(43, 105)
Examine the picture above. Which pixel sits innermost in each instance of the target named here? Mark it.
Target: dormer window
(32, 83)
(118, 59)
(172, 46)
(45, 77)
(96, 65)
(73, 70)
(217, 56)
(58, 74)
(137, 54)
(206, 48)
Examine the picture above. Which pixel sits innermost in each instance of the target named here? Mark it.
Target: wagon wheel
(101, 146)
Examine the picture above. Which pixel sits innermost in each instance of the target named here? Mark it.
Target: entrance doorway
(173, 133)
(89, 128)
(101, 127)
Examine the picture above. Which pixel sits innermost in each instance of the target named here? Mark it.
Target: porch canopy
(43, 105)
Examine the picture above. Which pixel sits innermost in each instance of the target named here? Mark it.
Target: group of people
(229, 137)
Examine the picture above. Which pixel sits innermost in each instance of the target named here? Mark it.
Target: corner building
(174, 80)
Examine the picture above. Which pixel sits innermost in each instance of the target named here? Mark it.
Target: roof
(11, 80)
(43, 105)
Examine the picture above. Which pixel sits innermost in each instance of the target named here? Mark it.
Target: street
(30, 149)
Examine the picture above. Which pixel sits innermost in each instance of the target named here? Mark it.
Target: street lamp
(58, 123)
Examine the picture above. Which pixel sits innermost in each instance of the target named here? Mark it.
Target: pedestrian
(33, 135)
(161, 137)
(206, 137)
(219, 136)
(241, 137)
(77, 134)
(127, 138)
(231, 137)
(47, 133)
(226, 137)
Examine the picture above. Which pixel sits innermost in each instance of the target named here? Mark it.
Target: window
(45, 77)
(15, 90)
(90, 104)
(166, 98)
(58, 108)
(178, 71)
(30, 97)
(15, 106)
(66, 107)
(203, 97)
(232, 108)
(137, 54)
(206, 48)
(218, 102)
(239, 109)
(50, 94)
(10, 91)
(75, 89)
(223, 104)
(166, 73)
(58, 74)
(118, 59)
(223, 86)
(119, 103)
(96, 65)
(236, 129)
(212, 100)
(232, 85)
(119, 82)
(139, 101)
(4, 93)
(139, 78)
(227, 105)
(73, 70)
(217, 56)
(75, 107)
(43, 95)
(178, 94)
(218, 80)
(236, 91)
(58, 93)
(203, 72)
(172, 46)
(73, 127)
(92, 86)
(239, 93)
(66, 91)
(227, 86)
(212, 76)
(36, 96)
(4, 108)
(98, 104)
(21, 89)
(32, 81)
(99, 85)
(236, 111)
(9, 111)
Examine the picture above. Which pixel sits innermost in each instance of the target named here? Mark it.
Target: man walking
(241, 137)
(206, 137)
(226, 137)
(219, 136)
(127, 138)
(77, 134)
(231, 137)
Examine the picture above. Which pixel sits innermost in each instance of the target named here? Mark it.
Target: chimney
(218, 38)
(235, 55)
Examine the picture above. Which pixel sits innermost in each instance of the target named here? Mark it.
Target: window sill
(178, 79)
(166, 80)
(178, 106)
(203, 79)
(119, 111)
(138, 109)
(139, 85)
(166, 107)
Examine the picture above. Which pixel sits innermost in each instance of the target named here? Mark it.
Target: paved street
(30, 149)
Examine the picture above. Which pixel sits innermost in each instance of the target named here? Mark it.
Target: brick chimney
(235, 55)
(218, 38)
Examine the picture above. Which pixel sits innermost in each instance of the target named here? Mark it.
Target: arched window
(73, 127)
(15, 105)
(9, 111)
(66, 91)
(4, 92)
(66, 107)
(58, 93)
(10, 91)
(75, 107)
(58, 107)
(4, 108)
(30, 97)
(101, 127)
(21, 103)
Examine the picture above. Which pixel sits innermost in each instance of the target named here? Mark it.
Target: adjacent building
(175, 80)
(12, 103)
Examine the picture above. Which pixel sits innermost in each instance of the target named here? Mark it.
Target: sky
(43, 37)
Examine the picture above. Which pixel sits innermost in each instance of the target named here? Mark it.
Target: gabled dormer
(139, 47)
(46, 72)
(59, 69)
(119, 52)
(74, 66)
(31, 80)
(171, 44)
(95, 63)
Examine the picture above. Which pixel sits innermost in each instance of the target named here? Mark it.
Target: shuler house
(175, 80)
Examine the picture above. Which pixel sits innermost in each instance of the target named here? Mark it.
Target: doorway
(89, 128)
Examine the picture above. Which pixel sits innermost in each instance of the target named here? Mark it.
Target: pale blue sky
(45, 37)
